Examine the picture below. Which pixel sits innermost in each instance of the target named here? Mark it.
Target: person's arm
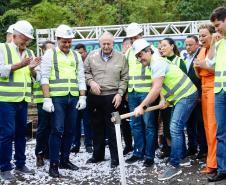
(88, 73)
(45, 69)
(81, 77)
(94, 86)
(151, 97)
(159, 69)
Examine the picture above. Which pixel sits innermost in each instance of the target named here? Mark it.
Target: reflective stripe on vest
(60, 84)
(176, 85)
(139, 75)
(176, 61)
(220, 67)
(17, 87)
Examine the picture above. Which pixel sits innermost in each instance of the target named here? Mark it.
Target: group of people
(69, 86)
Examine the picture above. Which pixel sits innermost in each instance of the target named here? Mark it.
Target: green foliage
(46, 15)
(197, 9)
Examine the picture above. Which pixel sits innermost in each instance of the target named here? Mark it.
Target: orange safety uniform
(210, 125)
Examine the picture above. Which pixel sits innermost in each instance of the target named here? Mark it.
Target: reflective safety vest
(220, 66)
(16, 87)
(176, 61)
(176, 85)
(63, 77)
(37, 93)
(139, 75)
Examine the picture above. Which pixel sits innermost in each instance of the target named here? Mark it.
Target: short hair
(80, 45)
(45, 44)
(209, 27)
(172, 42)
(193, 37)
(218, 14)
(106, 33)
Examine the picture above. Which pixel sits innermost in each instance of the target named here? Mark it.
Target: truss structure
(150, 30)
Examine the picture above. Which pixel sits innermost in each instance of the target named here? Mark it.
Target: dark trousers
(83, 118)
(166, 118)
(13, 123)
(43, 131)
(101, 108)
(125, 126)
(195, 130)
(63, 124)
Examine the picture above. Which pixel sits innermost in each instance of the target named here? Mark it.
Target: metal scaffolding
(150, 30)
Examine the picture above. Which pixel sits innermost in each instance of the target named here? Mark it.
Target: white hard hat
(139, 45)
(25, 28)
(64, 31)
(133, 30)
(10, 29)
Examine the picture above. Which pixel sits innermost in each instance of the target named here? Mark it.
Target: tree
(191, 10)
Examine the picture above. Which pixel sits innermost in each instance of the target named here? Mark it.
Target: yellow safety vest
(139, 75)
(63, 77)
(176, 85)
(17, 87)
(220, 66)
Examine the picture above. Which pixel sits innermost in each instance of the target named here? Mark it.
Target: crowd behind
(77, 91)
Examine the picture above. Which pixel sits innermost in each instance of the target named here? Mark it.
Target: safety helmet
(139, 45)
(133, 30)
(10, 29)
(64, 31)
(25, 28)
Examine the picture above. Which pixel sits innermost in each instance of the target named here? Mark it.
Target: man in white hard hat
(138, 87)
(178, 90)
(63, 86)
(17, 63)
(9, 34)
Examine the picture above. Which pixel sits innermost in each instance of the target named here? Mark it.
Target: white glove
(81, 103)
(48, 105)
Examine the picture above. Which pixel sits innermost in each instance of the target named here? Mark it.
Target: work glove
(48, 105)
(81, 103)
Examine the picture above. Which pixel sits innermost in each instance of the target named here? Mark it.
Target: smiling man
(63, 85)
(178, 90)
(106, 72)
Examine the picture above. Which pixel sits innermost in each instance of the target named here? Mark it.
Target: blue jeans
(63, 123)
(180, 115)
(13, 124)
(83, 117)
(220, 111)
(43, 131)
(144, 128)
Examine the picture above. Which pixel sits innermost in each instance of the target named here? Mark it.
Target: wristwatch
(145, 107)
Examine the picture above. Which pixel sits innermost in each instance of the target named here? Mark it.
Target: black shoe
(127, 149)
(93, 160)
(75, 149)
(68, 165)
(39, 161)
(191, 152)
(114, 163)
(148, 162)
(89, 149)
(133, 159)
(164, 152)
(217, 177)
(53, 170)
(201, 155)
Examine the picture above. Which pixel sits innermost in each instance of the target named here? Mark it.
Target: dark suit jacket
(191, 74)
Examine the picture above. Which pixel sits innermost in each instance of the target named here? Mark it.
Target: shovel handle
(149, 109)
